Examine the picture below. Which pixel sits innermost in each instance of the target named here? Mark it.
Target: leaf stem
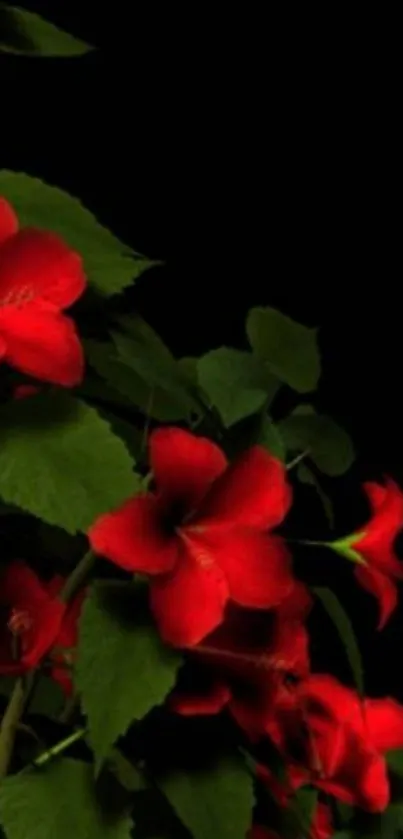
(77, 577)
(60, 747)
(297, 459)
(9, 724)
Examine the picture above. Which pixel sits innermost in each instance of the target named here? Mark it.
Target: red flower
(248, 661)
(336, 742)
(35, 623)
(39, 277)
(201, 535)
(374, 543)
(31, 619)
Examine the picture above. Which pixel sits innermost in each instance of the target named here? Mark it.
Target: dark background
(261, 166)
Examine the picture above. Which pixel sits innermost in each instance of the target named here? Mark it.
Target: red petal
(206, 704)
(257, 566)
(8, 221)
(132, 537)
(368, 790)
(297, 604)
(22, 592)
(38, 264)
(260, 832)
(42, 343)
(189, 603)
(384, 718)
(379, 534)
(184, 465)
(322, 827)
(253, 492)
(384, 589)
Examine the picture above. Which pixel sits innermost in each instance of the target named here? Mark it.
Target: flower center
(19, 622)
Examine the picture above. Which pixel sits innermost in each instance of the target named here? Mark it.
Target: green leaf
(61, 462)
(145, 352)
(123, 670)
(299, 815)
(154, 401)
(270, 438)
(306, 476)
(110, 265)
(328, 444)
(26, 33)
(58, 802)
(394, 759)
(236, 383)
(213, 802)
(289, 348)
(344, 627)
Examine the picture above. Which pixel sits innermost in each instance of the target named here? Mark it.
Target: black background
(261, 165)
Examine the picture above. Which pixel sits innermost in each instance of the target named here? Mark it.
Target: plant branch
(77, 577)
(60, 747)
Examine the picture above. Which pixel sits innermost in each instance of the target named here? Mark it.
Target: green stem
(9, 725)
(297, 460)
(60, 747)
(77, 577)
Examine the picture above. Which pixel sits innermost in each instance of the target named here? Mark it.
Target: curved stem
(77, 577)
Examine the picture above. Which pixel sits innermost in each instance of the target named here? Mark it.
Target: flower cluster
(222, 586)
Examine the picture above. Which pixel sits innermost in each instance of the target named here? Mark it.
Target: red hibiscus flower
(248, 661)
(30, 622)
(336, 742)
(202, 534)
(39, 278)
(35, 623)
(375, 544)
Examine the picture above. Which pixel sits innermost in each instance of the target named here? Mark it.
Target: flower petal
(132, 537)
(201, 704)
(384, 718)
(38, 264)
(257, 566)
(8, 221)
(184, 465)
(42, 343)
(189, 603)
(366, 786)
(23, 592)
(376, 545)
(253, 492)
(383, 587)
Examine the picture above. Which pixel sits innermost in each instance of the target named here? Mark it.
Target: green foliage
(123, 670)
(344, 627)
(236, 383)
(154, 401)
(328, 445)
(58, 802)
(289, 348)
(145, 353)
(306, 476)
(25, 33)
(61, 462)
(270, 438)
(298, 817)
(110, 265)
(213, 802)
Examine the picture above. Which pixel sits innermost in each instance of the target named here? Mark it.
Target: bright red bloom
(376, 543)
(39, 277)
(337, 742)
(248, 661)
(202, 534)
(31, 619)
(35, 623)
